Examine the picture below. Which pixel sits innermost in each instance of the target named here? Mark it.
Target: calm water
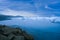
(39, 29)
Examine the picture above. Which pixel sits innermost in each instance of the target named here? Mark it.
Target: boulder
(8, 33)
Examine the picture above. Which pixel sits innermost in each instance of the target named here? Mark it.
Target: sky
(30, 7)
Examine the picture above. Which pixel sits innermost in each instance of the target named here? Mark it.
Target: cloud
(18, 13)
(4, 4)
(18, 5)
(37, 7)
(46, 6)
(3, 0)
(53, 6)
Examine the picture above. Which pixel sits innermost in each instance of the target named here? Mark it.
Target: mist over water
(47, 28)
(40, 29)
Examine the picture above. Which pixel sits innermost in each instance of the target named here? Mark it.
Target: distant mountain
(4, 17)
(7, 17)
(55, 21)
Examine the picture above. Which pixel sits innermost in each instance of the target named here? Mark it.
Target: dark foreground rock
(8, 33)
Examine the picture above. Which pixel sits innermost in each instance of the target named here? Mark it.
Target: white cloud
(29, 15)
(46, 6)
(17, 13)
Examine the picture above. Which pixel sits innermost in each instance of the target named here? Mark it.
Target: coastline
(8, 33)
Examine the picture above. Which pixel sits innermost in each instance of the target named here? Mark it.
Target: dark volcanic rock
(7, 33)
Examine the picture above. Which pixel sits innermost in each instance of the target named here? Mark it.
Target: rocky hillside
(8, 33)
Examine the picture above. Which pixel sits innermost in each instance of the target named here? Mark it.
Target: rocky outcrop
(8, 33)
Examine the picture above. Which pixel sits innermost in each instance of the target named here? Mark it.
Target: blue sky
(30, 7)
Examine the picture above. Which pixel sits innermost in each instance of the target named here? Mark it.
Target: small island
(8, 33)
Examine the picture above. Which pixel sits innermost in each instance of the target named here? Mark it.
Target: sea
(39, 29)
